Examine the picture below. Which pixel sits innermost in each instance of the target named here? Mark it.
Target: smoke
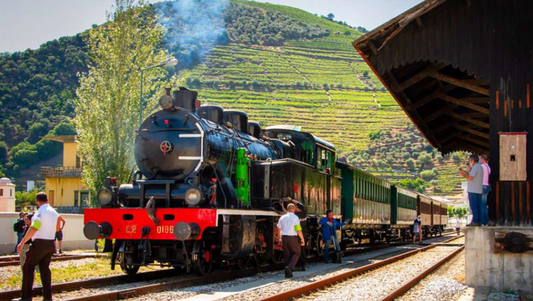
(194, 27)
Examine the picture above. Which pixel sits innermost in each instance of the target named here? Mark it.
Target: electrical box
(513, 156)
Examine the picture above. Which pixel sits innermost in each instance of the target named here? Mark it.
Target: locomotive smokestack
(168, 91)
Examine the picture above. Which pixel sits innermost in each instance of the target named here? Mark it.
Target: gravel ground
(445, 284)
(192, 291)
(383, 280)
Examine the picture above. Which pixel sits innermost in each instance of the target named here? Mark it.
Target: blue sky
(29, 23)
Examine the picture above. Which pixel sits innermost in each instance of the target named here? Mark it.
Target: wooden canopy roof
(418, 58)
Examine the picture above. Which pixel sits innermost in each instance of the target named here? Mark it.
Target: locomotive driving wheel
(126, 263)
(203, 263)
(319, 244)
(260, 248)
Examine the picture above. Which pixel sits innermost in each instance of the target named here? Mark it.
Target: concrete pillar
(496, 270)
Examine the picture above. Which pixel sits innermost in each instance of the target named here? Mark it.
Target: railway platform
(496, 262)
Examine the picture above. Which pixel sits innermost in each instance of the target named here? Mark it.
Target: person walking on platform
(59, 233)
(486, 189)
(26, 247)
(42, 233)
(417, 229)
(19, 227)
(329, 233)
(474, 188)
(458, 226)
(290, 228)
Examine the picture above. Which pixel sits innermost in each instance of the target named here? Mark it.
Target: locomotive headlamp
(105, 197)
(166, 102)
(193, 196)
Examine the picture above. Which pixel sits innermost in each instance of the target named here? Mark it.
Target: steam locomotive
(211, 186)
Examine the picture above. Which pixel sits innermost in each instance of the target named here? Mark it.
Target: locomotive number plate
(166, 229)
(131, 229)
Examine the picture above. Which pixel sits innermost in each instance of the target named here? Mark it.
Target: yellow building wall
(61, 191)
(69, 154)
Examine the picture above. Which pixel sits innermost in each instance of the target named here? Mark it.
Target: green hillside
(280, 64)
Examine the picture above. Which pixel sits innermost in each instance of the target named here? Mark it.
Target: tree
(108, 97)
(410, 163)
(331, 16)
(423, 159)
(456, 158)
(37, 130)
(3, 152)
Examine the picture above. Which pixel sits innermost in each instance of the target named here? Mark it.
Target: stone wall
(73, 237)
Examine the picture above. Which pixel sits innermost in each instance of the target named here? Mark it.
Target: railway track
(15, 260)
(307, 291)
(166, 284)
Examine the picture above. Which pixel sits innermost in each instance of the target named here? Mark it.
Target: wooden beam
(477, 100)
(483, 143)
(469, 120)
(460, 83)
(471, 131)
(436, 114)
(462, 103)
(428, 98)
(441, 128)
(420, 76)
(473, 148)
(475, 115)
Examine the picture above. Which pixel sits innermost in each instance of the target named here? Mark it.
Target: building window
(10, 192)
(78, 162)
(76, 192)
(1, 192)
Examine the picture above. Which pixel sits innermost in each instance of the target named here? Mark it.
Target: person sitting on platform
(329, 233)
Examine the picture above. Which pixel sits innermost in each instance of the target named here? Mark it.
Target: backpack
(17, 227)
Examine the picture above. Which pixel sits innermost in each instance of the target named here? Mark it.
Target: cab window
(325, 159)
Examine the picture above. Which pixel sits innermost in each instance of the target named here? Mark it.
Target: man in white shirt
(42, 232)
(290, 228)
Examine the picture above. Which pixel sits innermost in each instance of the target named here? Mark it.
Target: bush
(428, 175)
(375, 135)
(406, 155)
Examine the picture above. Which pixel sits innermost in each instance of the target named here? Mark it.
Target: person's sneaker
(288, 272)
(473, 225)
(60, 251)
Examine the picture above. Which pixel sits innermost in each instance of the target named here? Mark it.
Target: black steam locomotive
(211, 186)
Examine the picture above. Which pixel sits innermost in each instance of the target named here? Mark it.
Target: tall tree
(108, 97)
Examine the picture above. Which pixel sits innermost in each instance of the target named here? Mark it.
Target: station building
(462, 70)
(7, 195)
(63, 185)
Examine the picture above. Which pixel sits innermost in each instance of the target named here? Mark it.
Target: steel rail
(15, 260)
(110, 280)
(152, 288)
(314, 286)
(410, 284)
